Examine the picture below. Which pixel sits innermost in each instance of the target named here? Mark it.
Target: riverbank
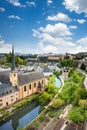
(16, 108)
(74, 84)
(21, 117)
(10, 110)
(46, 115)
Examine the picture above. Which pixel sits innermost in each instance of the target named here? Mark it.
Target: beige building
(16, 85)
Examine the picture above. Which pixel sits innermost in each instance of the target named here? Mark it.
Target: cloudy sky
(43, 26)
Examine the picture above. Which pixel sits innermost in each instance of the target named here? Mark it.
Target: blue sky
(43, 26)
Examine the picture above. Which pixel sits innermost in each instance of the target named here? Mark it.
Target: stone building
(65, 73)
(16, 85)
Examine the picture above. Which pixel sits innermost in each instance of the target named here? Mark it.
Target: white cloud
(73, 27)
(81, 46)
(59, 17)
(16, 3)
(58, 29)
(15, 17)
(31, 3)
(2, 9)
(57, 38)
(83, 41)
(49, 2)
(54, 38)
(47, 48)
(5, 47)
(81, 21)
(79, 6)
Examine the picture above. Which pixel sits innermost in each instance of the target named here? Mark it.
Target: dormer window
(7, 92)
(2, 93)
(10, 91)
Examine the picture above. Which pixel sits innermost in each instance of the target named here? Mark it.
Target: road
(85, 80)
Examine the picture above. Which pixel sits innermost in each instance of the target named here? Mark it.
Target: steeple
(13, 59)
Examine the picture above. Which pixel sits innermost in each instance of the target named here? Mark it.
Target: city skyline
(36, 26)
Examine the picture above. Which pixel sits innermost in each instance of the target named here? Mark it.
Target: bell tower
(13, 59)
(13, 74)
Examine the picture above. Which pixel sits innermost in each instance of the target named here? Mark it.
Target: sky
(43, 26)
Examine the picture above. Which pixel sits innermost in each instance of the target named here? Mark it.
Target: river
(25, 115)
(21, 118)
(57, 82)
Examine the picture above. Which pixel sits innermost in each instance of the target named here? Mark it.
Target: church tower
(13, 74)
(13, 59)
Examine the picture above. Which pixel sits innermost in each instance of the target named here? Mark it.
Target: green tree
(67, 62)
(77, 114)
(18, 61)
(57, 103)
(51, 89)
(9, 58)
(45, 98)
(83, 103)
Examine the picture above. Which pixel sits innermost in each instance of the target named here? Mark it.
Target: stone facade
(19, 85)
(9, 99)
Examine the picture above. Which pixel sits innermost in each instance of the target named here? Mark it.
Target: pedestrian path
(85, 80)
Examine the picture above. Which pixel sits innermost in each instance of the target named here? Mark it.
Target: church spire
(13, 59)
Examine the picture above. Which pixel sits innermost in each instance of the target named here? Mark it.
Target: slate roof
(29, 77)
(7, 89)
(4, 77)
(23, 78)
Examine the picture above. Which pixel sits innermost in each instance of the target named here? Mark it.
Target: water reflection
(21, 118)
(57, 82)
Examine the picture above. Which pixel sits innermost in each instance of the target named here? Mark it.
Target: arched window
(34, 85)
(24, 88)
(30, 86)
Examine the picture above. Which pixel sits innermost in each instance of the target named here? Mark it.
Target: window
(0, 104)
(10, 91)
(24, 88)
(30, 86)
(11, 99)
(14, 74)
(0, 100)
(34, 85)
(2, 93)
(11, 96)
(6, 103)
(7, 92)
